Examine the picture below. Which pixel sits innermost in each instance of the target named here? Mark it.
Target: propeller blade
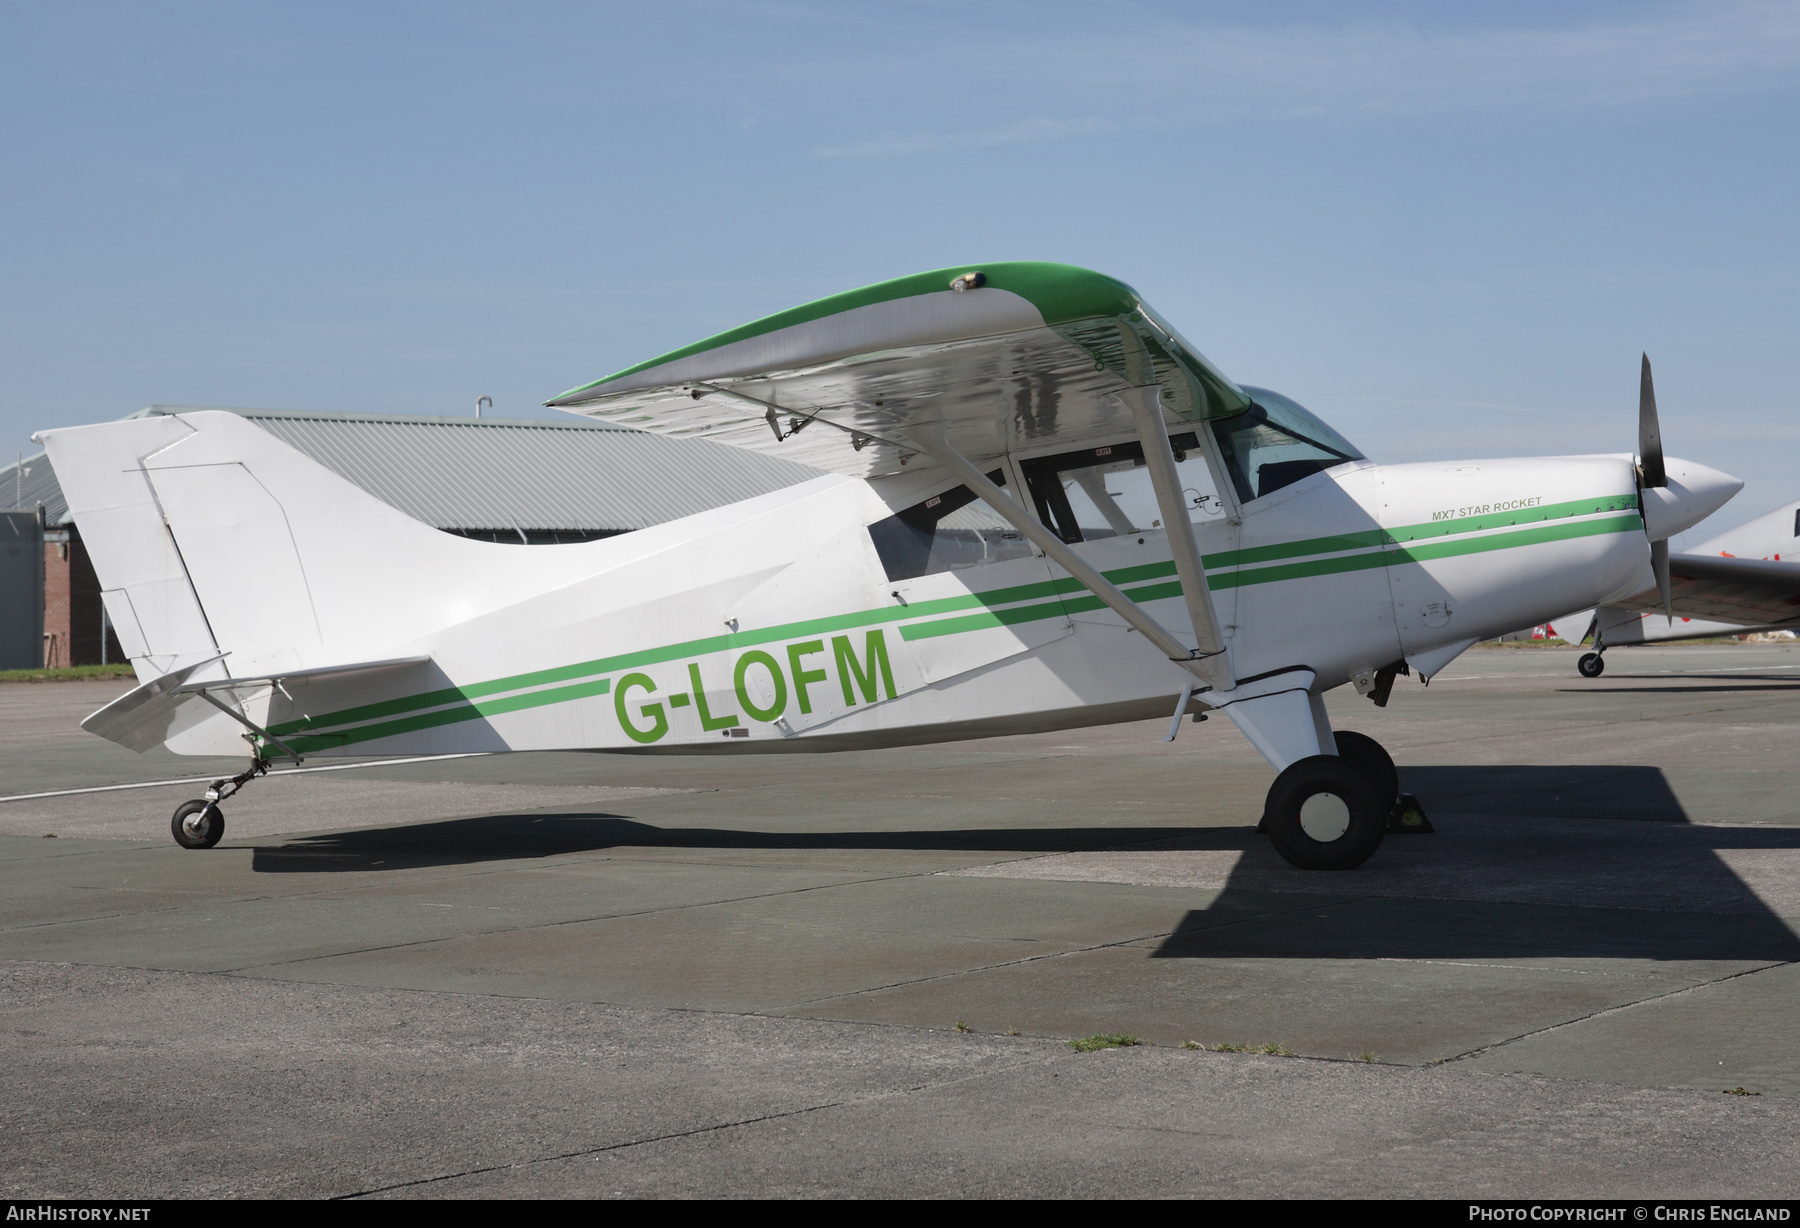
(1659, 563)
(1650, 453)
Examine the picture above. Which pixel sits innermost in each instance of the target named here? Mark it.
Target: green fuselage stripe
(1032, 613)
(1394, 556)
(1024, 603)
(1414, 532)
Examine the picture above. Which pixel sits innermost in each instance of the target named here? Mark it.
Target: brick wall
(57, 641)
(73, 618)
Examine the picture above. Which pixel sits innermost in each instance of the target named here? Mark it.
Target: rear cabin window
(949, 531)
(1106, 492)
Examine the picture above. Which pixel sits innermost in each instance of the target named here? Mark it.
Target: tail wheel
(1372, 757)
(1591, 665)
(1324, 813)
(197, 824)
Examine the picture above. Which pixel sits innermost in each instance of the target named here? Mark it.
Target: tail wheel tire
(1324, 813)
(197, 824)
(1372, 757)
(1591, 665)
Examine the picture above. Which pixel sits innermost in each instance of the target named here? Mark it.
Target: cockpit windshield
(1275, 443)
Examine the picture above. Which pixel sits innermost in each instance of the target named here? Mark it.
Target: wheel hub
(1324, 817)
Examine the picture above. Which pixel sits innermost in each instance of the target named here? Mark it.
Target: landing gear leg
(200, 824)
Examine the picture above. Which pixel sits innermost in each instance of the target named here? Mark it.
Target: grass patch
(961, 1026)
(1366, 1056)
(1104, 1040)
(74, 673)
(1738, 1091)
(1192, 1044)
(1270, 1047)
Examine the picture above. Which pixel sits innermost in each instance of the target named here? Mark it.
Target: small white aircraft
(1043, 509)
(1744, 580)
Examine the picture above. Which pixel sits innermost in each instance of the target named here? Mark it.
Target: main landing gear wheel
(197, 824)
(1324, 813)
(1372, 757)
(1591, 665)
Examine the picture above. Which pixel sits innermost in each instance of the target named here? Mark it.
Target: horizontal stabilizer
(141, 717)
(144, 717)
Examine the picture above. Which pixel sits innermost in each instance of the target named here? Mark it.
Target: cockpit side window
(1275, 443)
(1106, 491)
(949, 531)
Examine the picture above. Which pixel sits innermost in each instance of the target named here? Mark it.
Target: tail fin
(149, 598)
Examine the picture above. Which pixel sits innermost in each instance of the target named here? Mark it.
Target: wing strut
(1159, 458)
(1211, 670)
(246, 722)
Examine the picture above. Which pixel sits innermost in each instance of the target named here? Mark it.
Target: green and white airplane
(1041, 509)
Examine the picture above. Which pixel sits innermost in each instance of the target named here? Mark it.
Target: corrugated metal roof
(36, 485)
(500, 473)
(495, 473)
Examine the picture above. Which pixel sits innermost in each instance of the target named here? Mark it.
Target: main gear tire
(1372, 757)
(1324, 813)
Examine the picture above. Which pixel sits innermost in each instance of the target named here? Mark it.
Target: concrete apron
(1627, 924)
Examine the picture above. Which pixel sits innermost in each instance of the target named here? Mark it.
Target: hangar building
(520, 481)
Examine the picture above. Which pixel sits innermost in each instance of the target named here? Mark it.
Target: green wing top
(1010, 355)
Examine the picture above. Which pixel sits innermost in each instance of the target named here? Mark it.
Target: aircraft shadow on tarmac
(1547, 792)
(1470, 932)
(1534, 861)
(502, 837)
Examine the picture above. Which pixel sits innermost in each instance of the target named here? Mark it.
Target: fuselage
(774, 625)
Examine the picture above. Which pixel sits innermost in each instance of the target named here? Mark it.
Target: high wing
(1746, 592)
(1002, 355)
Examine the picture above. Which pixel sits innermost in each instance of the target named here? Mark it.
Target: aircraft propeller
(1651, 473)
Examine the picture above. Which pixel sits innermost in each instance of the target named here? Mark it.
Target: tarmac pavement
(586, 975)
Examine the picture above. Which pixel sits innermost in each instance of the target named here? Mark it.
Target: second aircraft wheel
(1591, 665)
(1372, 757)
(1324, 813)
(197, 824)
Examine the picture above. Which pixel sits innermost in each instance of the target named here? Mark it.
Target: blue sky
(1448, 228)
